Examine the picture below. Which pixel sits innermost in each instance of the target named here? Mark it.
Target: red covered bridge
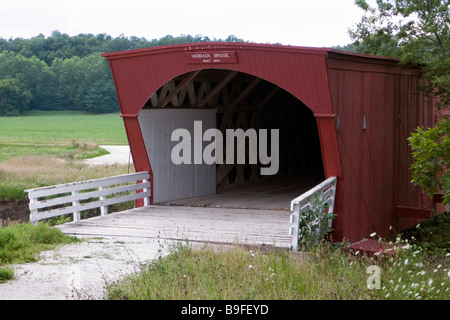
(338, 114)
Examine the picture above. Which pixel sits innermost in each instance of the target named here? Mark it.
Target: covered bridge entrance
(305, 114)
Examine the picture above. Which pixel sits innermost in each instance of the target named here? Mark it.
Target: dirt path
(82, 270)
(117, 155)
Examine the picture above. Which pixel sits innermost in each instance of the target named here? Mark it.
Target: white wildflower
(406, 262)
(250, 266)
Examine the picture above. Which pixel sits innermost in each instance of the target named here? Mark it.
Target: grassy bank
(326, 272)
(18, 174)
(416, 268)
(21, 243)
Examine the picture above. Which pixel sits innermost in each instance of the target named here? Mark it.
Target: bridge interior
(243, 101)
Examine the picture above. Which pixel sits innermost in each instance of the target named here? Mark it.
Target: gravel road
(117, 155)
(81, 271)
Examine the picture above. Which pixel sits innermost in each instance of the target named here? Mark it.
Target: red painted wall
(341, 89)
(376, 160)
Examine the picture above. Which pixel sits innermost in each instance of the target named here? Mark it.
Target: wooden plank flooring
(256, 215)
(275, 195)
(216, 225)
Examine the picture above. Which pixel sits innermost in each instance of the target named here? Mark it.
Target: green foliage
(14, 99)
(415, 31)
(67, 73)
(6, 274)
(33, 74)
(314, 223)
(432, 235)
(326, 272)
(9, 192)
(23, 242)
(430, 149)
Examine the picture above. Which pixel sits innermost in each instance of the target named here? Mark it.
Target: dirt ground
(13, 211)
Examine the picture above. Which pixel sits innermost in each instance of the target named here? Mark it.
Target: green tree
(32, 73)
(417, 32)
(14, 98)
(65, 72)
(84, 84)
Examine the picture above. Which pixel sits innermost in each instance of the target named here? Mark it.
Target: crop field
(63, 127)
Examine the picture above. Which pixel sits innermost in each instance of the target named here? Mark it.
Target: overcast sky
(316, 23)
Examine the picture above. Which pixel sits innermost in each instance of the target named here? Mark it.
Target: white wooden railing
(71, 198)
(325, 193)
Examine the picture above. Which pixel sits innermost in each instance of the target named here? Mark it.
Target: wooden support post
(103, 209)
(76, 214)
(146, 199)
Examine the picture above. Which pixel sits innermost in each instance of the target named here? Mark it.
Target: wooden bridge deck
(272, 195)
(196, 224)
(254, 215)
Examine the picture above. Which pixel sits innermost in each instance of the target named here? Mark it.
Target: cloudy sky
(317, 23)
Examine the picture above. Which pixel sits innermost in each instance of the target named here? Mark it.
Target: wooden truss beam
(245, 92)
(173, 94)
(217, 88)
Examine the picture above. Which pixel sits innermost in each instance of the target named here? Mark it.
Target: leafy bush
(6, 274)
(23, 242)
(430, 150)
(314, 222)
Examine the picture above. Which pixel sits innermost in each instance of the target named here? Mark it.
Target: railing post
(295, 221)
(146, 199)
(34, 211)
(103, 209)
(76, 214)
(332, 200)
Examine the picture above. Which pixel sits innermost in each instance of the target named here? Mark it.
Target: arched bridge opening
(267, 154)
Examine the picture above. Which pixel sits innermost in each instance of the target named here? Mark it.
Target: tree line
(63, 72)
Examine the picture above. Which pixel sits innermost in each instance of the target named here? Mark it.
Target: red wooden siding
(375, 160)
(300, 72)
(365, 108)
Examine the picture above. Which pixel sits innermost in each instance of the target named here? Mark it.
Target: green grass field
(42, 148)
(62, 127)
